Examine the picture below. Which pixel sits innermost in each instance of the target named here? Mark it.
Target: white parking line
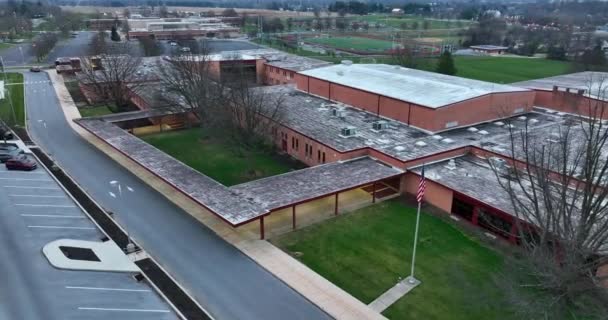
(44, 205)
(26, 187)
(107, 289)
(51, 216)
(58, 227)
(34, 195)
(126, 310)
(26, 179)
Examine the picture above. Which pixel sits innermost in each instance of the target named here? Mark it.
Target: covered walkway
(256, 200)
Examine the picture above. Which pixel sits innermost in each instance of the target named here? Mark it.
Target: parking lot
(34, 210)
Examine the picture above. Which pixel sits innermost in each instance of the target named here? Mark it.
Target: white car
(184, 49)
(173, 43)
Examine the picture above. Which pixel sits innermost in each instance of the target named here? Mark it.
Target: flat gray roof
(282, 59)
(298, 186)
(245, 202)
(312, 116)
(472, 176)
(430, 89)
(595, 84)
(489, 47)
(136, 115)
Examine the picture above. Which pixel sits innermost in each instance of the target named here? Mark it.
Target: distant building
(397, 11)
(489, 49)
(178, 28)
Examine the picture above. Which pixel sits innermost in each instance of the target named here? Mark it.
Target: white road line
(26, 187)
(26, 179)
(58, 227)
(108, 289)
(125, 310)
(34, 196)
(51, 216)
(45, 205)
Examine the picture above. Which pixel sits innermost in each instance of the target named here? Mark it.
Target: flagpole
(411, 278)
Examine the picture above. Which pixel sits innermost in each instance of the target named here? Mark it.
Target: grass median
(14, 90)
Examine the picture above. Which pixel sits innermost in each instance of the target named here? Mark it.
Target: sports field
(353, 43)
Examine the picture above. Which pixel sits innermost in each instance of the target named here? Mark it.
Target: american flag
(421, 186)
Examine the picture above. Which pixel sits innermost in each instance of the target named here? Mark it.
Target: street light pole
(115, 183)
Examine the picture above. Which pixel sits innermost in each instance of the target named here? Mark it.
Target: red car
(20, 163)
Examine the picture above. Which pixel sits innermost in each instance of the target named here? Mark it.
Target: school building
(365, 131)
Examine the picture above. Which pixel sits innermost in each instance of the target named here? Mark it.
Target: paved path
(221, 278)
(393, 294)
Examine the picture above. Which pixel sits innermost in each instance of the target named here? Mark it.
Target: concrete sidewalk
(331, 299)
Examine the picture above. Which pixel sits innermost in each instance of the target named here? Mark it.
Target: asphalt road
(22, 54)
(34, 211)
(222, 279)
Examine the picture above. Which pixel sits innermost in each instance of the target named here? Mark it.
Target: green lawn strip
(508, 70)
(365, 252)
(94, 111)
(218, 158)
(356, 43)
(16, 94)
(5, 45)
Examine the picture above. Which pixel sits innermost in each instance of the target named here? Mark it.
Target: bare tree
(43, 44)
(559, 195)
(98, 44)
(405, 57)
(253, 112)
(117, 79)
(191, 78)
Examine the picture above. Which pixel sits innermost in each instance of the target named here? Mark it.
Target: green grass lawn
(94, 111)
(5, 45)
(356, 43)
(16, 94)
(218, 158)
(507, 70)
(397, 22)
(365, 252)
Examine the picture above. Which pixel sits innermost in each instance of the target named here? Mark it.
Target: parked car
(21, 162)
(35, 69)
(173, 43)
(185, 49)
(8, 151)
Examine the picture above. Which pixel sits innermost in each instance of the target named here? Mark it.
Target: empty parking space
(34, 211)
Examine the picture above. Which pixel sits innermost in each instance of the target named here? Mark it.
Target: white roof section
(1, 90)
(594, 83)
(429, 89)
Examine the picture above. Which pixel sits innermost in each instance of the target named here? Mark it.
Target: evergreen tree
(114, 36)
(445, 64)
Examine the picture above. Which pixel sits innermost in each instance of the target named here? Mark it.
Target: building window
(293, 142)
(323, 157)
(297, 143)
(462, 209)
(318, 155)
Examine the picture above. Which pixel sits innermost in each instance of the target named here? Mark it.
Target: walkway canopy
(249, 201)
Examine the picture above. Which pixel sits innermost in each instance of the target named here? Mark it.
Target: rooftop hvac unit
(340, 113)
(348, 131)
(380, 125)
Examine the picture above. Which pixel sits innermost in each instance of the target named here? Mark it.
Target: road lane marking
(125, 310)
(51, 216)
(58, 227)
(34, 195)
(31, 172)
(107, 289)
(26, 179)
(45, 205)
(26, 187)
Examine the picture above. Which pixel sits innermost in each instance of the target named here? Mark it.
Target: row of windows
(286, 73)
(308, 148)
